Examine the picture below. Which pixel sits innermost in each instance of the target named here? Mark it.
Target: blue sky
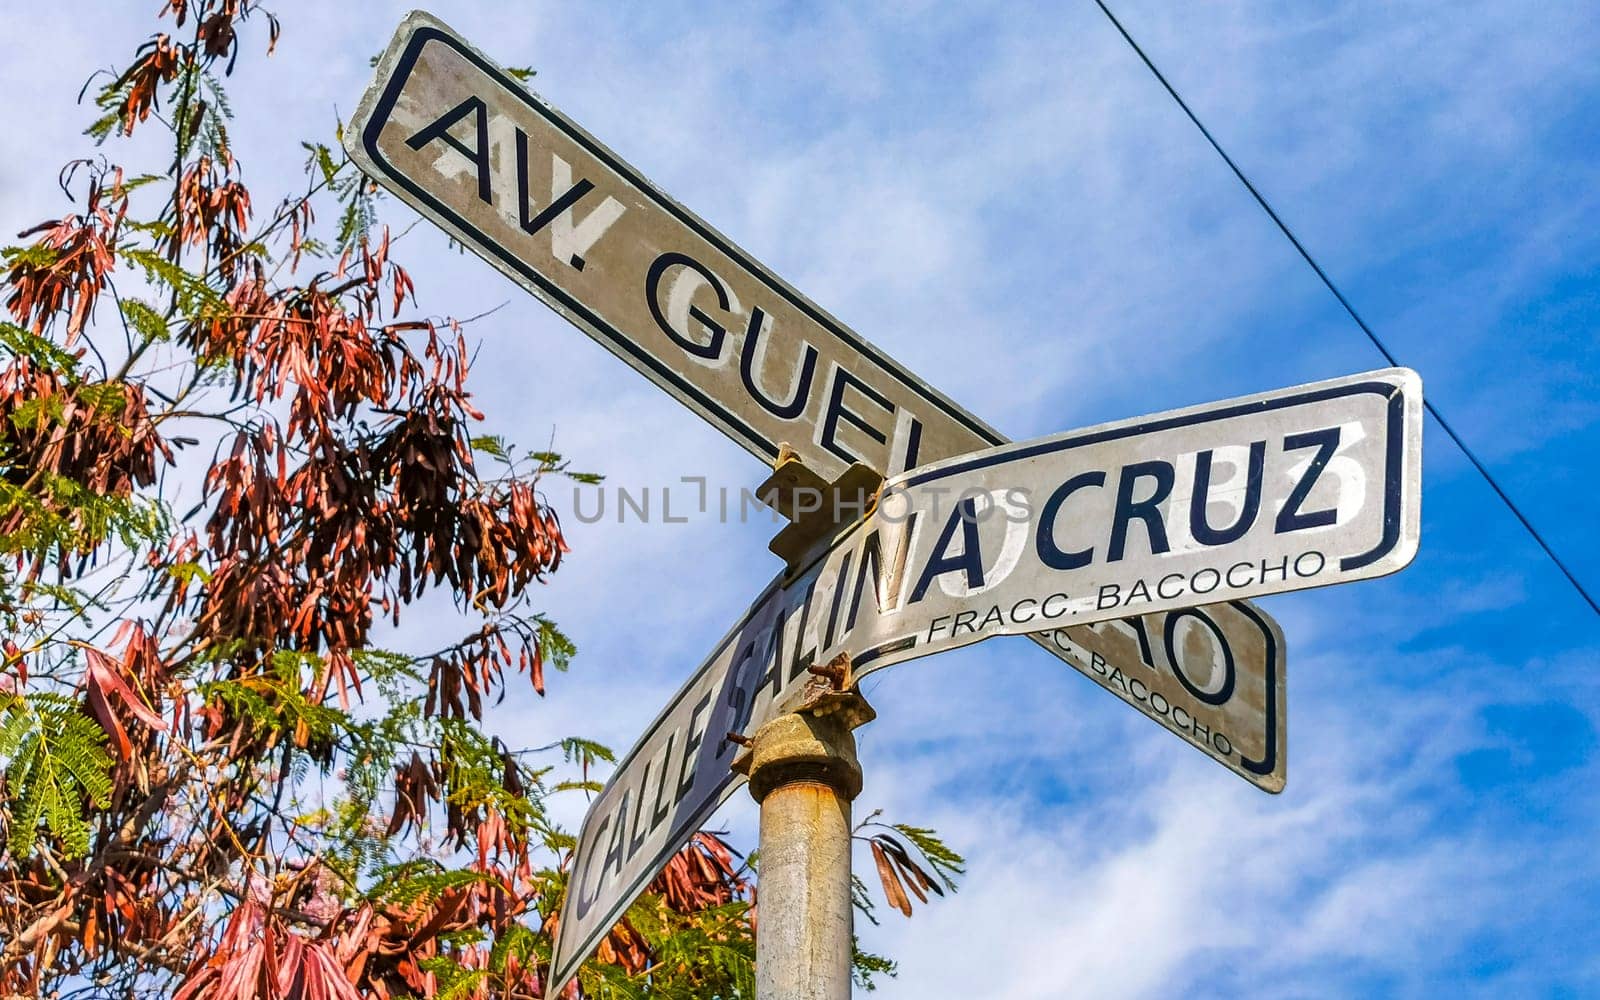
(1004, 199)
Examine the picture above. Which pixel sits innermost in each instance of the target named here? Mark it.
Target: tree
(215, 780)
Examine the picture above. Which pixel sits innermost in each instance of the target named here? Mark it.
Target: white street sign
(534, 194)
(1293, 489)
(462, 142)
(1214, 676)
(547, 204)
(1299, 488)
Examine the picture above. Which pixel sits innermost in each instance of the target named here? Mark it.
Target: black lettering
(1147, 510)
(1243, 566)
(1282, 569)
(568, 198)
(1289, 518)
(1146, 654)
(1199, 527)
(741, 699)
(619, 839)
(1049, 553)
(836, 411)
(1321, 562)
(803, 658)
(480, 156)
(697, 734)
(711, 349)
(588, 894)
(640, 809)
(747, 372)
(872, 553)
(913, 446)
(660, 811)
(771, 657)
(992, 618)
(839, 587)
(969, 560)
(1016, 608)
(1169, 636)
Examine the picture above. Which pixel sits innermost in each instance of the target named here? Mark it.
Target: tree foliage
(230, 461)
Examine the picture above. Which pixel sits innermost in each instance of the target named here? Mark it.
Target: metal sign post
(803, 771)
(1131, 560)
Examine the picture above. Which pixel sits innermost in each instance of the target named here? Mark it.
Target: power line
(1287, 232)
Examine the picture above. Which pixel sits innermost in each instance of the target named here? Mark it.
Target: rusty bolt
(740, 738)
(834, 672)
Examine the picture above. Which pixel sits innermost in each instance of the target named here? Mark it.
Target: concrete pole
(804, 773)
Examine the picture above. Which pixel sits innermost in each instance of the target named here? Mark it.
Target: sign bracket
(816, 508)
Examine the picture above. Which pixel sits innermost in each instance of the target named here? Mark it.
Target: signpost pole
(804, 773)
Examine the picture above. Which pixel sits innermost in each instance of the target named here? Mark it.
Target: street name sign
(1299, 488)
(1214, 676)
(547, 204)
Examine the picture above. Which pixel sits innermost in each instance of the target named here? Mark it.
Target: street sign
(1321, 482)
(544, 202)
(1298, 488)
(1187, 675)
(538, 197)
(547, 204)
(1212, 675)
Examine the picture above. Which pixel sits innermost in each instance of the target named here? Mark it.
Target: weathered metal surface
(1214, 676)
(674, 778)
(1322, 485)
(816, 509)
(803, 937)
(812, 743)
(598, 230)
(546, 203)
(803, 770)
(1222, 669)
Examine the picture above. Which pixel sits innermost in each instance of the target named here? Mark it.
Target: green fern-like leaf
(585, 753)
(55, 761)
(19, 341)
(144, 319)
(196, 299)
(422, 881)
